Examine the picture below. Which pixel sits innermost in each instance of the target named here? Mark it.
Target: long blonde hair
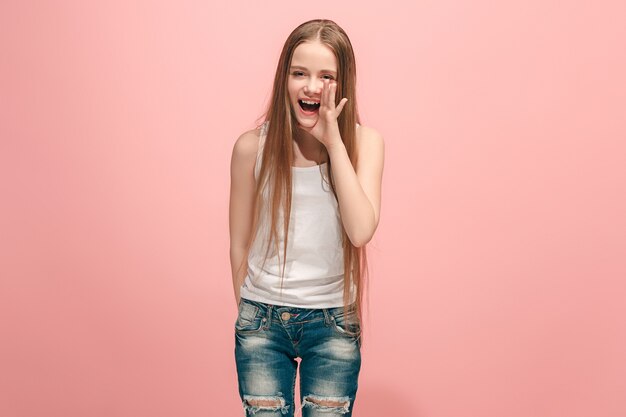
(277, 156)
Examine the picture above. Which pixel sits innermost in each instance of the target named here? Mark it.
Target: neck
(302, 135)
(309, 147)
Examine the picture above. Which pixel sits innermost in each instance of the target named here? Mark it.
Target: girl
(304, 201)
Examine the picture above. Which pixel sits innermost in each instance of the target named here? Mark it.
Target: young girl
(304, 201)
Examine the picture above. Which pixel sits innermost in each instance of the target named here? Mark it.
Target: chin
(307, 125)
(307, 122)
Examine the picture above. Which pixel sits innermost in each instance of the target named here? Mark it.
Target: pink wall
(498, 270)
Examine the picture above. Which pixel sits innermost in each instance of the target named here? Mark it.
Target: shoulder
(370, 148)
(369, 140)
(245, 151)
(246, 148)
(247, 143)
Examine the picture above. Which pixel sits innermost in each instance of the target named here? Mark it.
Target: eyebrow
(304, 68)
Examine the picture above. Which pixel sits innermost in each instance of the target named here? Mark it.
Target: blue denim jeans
(269, 338)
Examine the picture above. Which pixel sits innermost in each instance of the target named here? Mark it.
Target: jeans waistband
(267, 307)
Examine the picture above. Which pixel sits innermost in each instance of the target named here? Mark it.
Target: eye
(298, 73)
(330, 77)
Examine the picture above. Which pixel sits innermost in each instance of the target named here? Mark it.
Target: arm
(359, 191)
(240, 213)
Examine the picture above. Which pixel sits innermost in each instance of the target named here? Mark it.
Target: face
(311, 64)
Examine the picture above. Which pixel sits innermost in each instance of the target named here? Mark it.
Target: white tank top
(314, 266)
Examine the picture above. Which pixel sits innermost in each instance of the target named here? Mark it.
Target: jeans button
(285, 316)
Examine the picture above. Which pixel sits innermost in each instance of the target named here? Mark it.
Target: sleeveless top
(313, 275)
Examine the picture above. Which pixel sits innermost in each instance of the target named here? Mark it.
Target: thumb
(341, 105)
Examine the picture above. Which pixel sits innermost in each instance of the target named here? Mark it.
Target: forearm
(238, 275)
(357, 212)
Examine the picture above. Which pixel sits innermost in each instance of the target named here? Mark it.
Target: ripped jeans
(269, 338)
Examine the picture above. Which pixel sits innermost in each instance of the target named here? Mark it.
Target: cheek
(295, 85)
(293, 92)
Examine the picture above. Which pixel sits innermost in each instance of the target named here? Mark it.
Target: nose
(314, 86)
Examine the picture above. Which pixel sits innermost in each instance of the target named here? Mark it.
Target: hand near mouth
(326, 130)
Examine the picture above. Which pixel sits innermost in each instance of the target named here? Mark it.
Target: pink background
(498, 269)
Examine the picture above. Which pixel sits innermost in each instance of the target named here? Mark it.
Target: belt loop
(326, 316)
(269, 316)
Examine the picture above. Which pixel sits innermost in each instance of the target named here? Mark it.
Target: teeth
(309, 102)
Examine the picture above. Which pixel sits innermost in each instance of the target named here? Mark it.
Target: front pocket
(248, 319)
(347, 324)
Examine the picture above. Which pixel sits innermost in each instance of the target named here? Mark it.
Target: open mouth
(309, 106)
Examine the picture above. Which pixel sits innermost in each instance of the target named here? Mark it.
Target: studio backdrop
(496, 283)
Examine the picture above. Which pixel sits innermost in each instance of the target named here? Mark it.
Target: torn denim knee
(339, 404)
(254, 403)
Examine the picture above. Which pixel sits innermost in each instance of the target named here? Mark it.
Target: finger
(325, 93)
(341, 105)
(333, 94)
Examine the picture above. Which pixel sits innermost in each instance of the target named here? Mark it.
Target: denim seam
(287, 332)
(293, 387)
(306, 321)
(250, 331)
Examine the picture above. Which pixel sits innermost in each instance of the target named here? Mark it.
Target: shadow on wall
(376, 401)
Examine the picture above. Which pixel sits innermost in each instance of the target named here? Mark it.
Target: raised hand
(326, 130)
